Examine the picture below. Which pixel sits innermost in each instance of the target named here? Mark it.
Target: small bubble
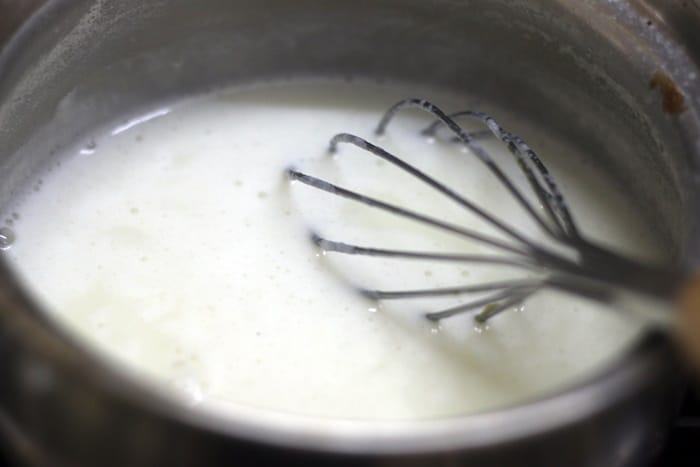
(372, 309)
(89, 148)
(430, 140)
(7, 238)
(436, 329)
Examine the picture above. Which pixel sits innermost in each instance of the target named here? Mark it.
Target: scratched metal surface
(12, 13)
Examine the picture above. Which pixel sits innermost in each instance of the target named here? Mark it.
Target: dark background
(683, 447)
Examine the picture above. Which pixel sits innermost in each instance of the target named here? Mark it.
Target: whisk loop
(550, 197)
(480, 152)
(589, 272)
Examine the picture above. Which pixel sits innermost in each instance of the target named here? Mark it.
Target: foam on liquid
(174, 245)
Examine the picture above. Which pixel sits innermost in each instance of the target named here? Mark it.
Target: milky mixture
(174, 246)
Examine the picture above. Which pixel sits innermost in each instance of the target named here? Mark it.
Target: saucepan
(623, 73)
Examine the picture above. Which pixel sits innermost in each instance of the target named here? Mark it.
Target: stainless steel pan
(581, 67)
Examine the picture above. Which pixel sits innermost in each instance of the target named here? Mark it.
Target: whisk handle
(688, 325)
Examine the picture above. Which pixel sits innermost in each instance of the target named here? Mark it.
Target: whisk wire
(422, 176)
(437, 292)
(496, 308)
(550, 197)
(559, 210)
(498, 301)
(350, 249)
(543, 255)
(476, 149)
(399, 211)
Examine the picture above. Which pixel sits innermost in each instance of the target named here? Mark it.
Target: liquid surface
(174, 245)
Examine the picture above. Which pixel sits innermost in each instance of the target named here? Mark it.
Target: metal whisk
(584, 268)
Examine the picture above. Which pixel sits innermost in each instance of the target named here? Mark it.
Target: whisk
(569, 261)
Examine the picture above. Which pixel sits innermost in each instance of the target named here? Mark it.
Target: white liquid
(177, 247)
